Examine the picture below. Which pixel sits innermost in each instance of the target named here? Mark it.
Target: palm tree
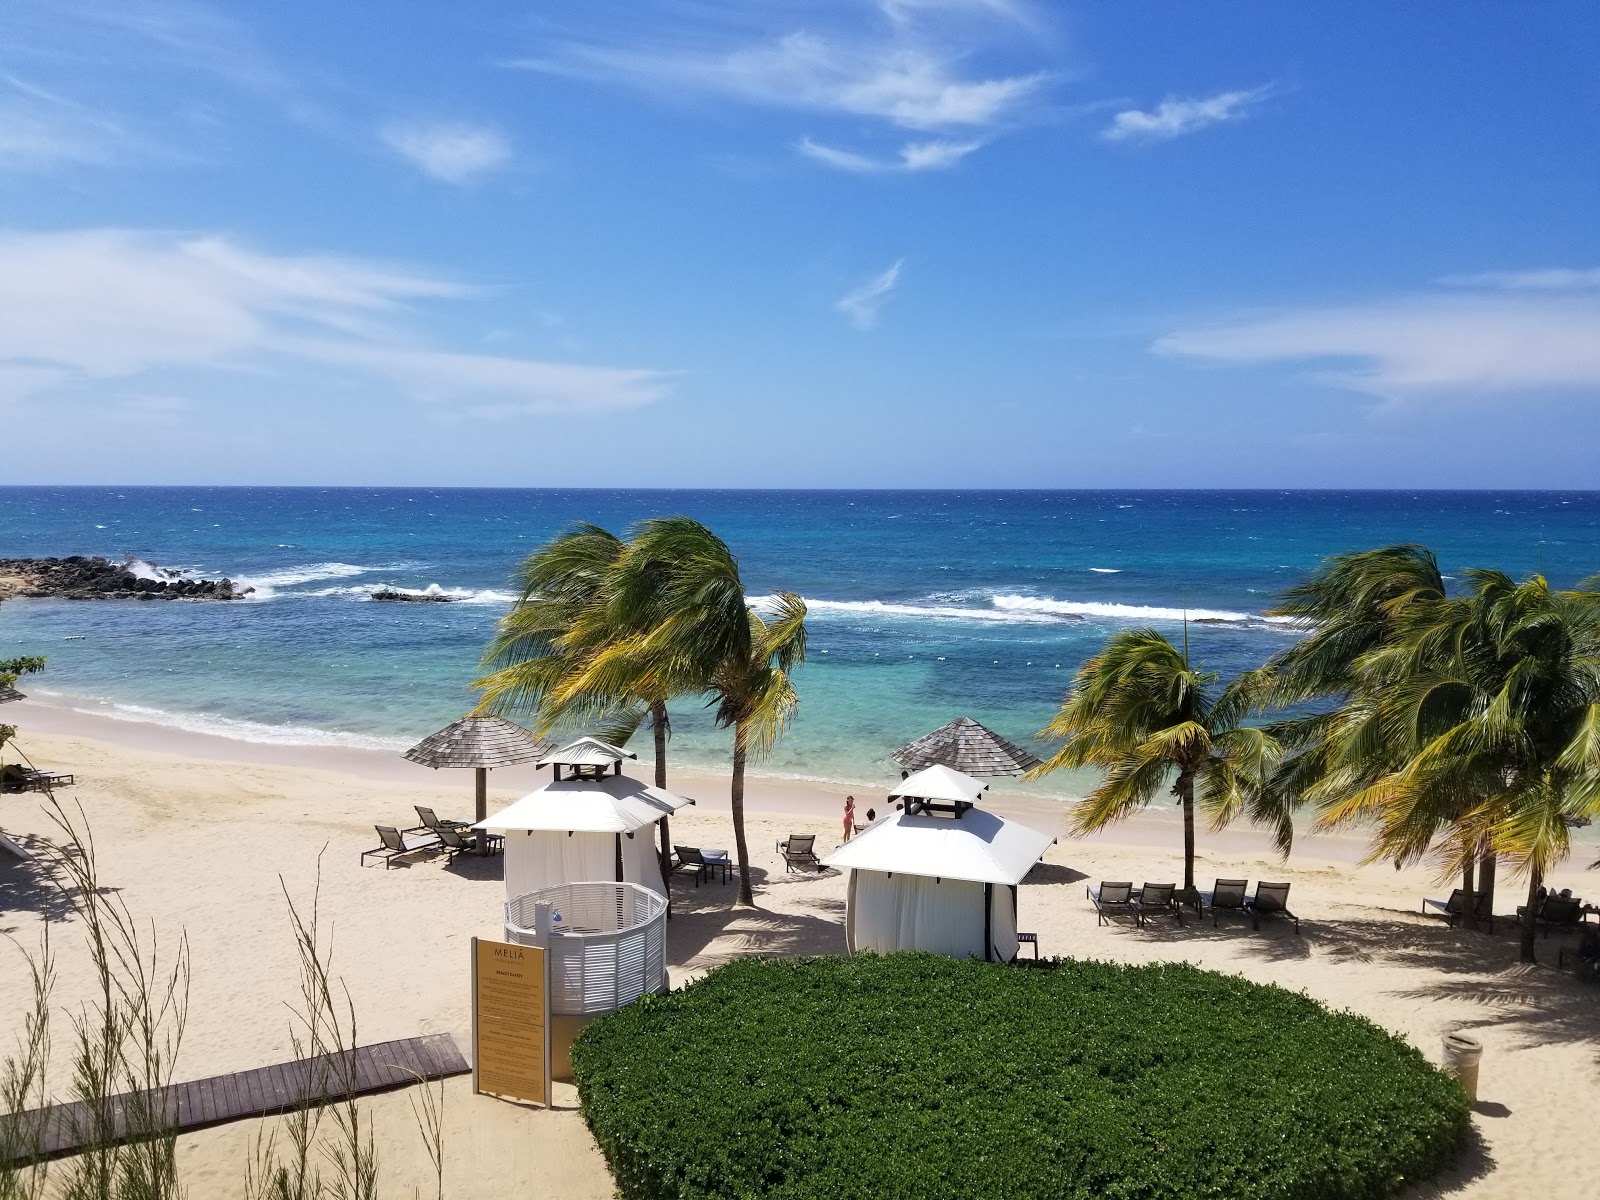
(1485, 711)
(1352, 608)
(699, 634)
(1139, 712)
(563, 617)
(755, 697)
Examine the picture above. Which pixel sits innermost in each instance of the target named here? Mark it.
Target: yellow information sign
(510, 1021)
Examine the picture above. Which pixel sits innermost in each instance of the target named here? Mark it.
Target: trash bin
(1461, 1055)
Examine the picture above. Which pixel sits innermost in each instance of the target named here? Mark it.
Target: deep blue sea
(924, 605)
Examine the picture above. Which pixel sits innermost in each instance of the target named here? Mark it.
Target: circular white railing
(607, 943)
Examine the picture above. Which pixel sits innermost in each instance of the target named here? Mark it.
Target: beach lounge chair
(1452, 909)
(1556, 912)
(799, 850)
(1157, 900)
(689, 858)
(1110, 899)
(457, 840)
(1227, 896)
(1271, 900)
(393, 844)
(432, 822)
(14, 777)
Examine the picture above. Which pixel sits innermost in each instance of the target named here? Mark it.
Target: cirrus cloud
(1176, 117)
(116, 304)
(1512, 337)
(448, 151)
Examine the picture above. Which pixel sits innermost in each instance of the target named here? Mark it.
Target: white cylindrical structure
(1461, 1057)
(608, 947)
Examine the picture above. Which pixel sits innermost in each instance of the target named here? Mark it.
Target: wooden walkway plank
(265, 1091)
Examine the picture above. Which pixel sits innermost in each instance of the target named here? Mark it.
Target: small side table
(717, 859)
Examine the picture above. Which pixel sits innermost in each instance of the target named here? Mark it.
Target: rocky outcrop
(412, 597)
(80, 578)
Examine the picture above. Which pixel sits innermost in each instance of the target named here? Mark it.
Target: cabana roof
(478, 742)
(586, 752)
(976, 846)
(8, 693)
(967, 746)
(939, 783)
(612, 804)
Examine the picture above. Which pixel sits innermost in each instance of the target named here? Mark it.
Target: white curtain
(915, 912)
(1003, 923)
(641, 859)
(540, 859)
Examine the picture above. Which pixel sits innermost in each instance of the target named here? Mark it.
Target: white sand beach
(195, 834)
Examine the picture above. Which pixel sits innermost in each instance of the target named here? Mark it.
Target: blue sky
(895, 243)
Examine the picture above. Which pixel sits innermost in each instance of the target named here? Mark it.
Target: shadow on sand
(32, 886)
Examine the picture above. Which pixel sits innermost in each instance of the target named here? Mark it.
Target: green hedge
(916, 1075)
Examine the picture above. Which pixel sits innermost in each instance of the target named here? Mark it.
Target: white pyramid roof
(977, 846)
(614, 804)
(586, 752)
(940, 782)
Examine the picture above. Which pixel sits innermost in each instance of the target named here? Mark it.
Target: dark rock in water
(80, 578)
(412, 597)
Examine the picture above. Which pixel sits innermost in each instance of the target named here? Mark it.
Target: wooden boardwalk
(263, 1092)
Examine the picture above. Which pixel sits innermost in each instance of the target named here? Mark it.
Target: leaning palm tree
(755, 697)
(1144, 716)
(700, 635)
(1486, 710)
(563, 616)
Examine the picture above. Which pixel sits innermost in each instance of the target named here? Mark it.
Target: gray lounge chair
(394, 844)
(457, 840)
(1271, 900)
(689, 858)
(1110, 899)
(1157, 900)
(1227, 896)
(432, 822)
(1556, 912)
(1452, 910)
(799, 850)
(17, 778)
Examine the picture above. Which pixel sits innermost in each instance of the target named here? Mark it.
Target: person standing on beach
(849, 816)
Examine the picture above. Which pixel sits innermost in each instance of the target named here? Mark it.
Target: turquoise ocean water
(925, 605)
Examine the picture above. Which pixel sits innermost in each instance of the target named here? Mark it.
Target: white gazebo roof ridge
(611, 804)
(940, 782)
(977, 846)
(586, 752)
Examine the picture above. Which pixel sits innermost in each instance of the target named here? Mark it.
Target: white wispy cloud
(1174, 117)
(930, 155)
(861, 305)
(115, 304)
(1436, 346)
(1542, 279)
(448, 151)
(906, 85)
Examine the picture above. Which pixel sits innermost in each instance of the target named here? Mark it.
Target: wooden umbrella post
(483, 807)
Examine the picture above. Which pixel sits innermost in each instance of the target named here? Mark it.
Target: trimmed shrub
(917, 1075)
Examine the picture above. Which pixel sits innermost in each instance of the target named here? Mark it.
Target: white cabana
(590, 826)
(940, 782)
(938, 876)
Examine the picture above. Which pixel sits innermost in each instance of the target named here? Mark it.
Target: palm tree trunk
(1469, 897)
(1186, 798)
(658, 726)
(1530, 916)
(746, 896)
(1486, 866)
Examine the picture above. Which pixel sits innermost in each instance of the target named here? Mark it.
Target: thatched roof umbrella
(9, 693)
(481, 743)
(967, 747)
